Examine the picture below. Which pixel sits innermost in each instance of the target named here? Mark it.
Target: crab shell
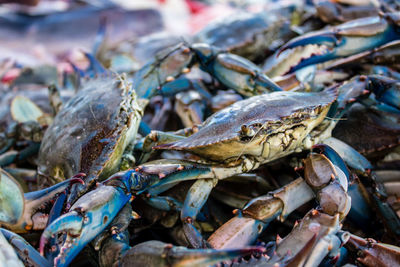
(245, 34)
(91, 131)
(267, 127)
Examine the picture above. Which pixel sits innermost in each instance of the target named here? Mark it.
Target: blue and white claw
(88, 217)
(24, 212)
(348, 39)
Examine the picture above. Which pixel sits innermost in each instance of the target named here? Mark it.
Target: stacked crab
(126, 164)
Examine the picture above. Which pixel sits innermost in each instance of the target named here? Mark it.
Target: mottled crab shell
(91, 131)
(245, 34)
(267, 126)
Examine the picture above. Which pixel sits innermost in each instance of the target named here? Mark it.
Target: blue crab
(283, 122)
(91, 131)
(249, 35)
(245, 135)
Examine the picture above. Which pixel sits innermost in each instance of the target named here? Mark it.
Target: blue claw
(22, 213)
(89, 216)
(347, 39)
(352, 158)
(386, 90)
(25, 251)
(333, 156)
(233, 71)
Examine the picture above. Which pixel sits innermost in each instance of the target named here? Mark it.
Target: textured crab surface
(91, 131)
(240, 128)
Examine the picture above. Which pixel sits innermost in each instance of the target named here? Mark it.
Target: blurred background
(36, 32)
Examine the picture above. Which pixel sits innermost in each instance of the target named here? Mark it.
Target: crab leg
(323, 180)
(194, 201)
(25, 251)
(8, 256)
(164, 203)
(372, 253)
(156, 253)
(113, 246)
(259, 212)
(348, 39)
(320, 230)
(233, 71)
(89, 216)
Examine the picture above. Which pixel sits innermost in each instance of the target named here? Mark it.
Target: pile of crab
(280, 123)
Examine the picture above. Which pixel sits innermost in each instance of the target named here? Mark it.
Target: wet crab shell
(267, 126)
(91, 131)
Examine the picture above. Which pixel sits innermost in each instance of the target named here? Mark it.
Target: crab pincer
(29, 211)
(156, 253)
(88, 217)
(348, 39)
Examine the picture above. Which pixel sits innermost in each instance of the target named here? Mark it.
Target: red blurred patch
(195, 6)
(10, 75)
(205, 15)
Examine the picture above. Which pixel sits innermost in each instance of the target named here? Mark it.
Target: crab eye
(247, 131)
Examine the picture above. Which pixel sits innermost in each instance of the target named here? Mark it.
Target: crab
(158, 75)
(248, 35)
(90, 132)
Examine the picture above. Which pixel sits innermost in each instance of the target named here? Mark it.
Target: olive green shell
(90, 132)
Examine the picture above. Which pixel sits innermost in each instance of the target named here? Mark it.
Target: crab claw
(24, 212)
(88, 217)
(156, 253)
(386, 90)
(347, 39)
(372, 253)
(12, 199)
(25, 251)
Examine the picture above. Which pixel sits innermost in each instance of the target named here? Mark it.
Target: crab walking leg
(156, 138)
(161, 173)
(243, 230)
(323, 180)
(231, 70)
(371, 253)
(164, 203)
(114, 249)
(194, 201)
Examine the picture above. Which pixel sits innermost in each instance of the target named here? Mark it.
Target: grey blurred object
(75, 28)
